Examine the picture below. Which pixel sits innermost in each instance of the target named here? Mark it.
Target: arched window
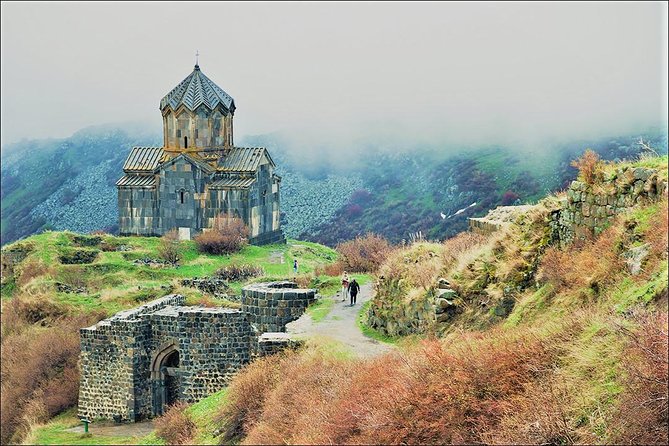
(181, 193)
(185, 142)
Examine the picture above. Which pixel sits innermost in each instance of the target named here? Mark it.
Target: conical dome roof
(195, 90)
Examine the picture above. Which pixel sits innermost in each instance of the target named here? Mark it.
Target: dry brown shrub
(228, 234)
(364, 254)
(169, 248)
(431, 392)
(175, 426)
(463, 243)
(304, 280)
(334, 269)
(590, 167)
(642, 415)
(590, 263)
(246, 397)
(39, 373)
(31, 269)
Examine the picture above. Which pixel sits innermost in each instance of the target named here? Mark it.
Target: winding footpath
(340, 325)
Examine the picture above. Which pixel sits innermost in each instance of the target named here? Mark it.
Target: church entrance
(165, 379)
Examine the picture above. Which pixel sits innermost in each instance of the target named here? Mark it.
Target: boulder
(443, 284)
(634, 258)
(446, 294)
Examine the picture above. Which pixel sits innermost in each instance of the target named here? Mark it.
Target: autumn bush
(169, 247)
(175, 426)
(39, 372)
(228, 234)
(237, 272)
(590, 167)
(642, 415)
(30, 269)
(589, 264)
(364, 254)
(434, 392)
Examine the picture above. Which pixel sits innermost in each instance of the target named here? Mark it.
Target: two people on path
(353, 289)
(344, 286)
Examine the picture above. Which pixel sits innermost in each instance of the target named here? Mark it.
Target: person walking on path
(344, 286)
(295, 266)
(353, 289)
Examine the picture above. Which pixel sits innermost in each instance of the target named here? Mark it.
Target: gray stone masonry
(138, 361)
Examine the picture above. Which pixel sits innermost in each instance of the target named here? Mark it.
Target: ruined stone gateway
(139, 361)
(198, 174)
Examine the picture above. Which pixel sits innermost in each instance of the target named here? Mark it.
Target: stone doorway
(165, 379)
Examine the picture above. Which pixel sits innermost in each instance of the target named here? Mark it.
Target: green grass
(629, 293)
(319, 310)
(55, 432)
(203, 413)
(528, 306)
(115, 283)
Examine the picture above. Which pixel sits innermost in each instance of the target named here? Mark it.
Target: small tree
(228, 234)
(169, 248)
(364, 254)
(589, 166)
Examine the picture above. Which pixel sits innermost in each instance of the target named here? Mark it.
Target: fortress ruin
(137, 362)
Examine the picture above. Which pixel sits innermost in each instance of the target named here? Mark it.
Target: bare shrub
(39, 373)
(228, 234)
(175, 426)
(590, 167)
(642, 416)
(364, 254)
(169, 248)
(237, 272)
(246, 397)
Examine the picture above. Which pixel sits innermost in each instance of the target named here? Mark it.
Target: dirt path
(111, 429)
(340, 325)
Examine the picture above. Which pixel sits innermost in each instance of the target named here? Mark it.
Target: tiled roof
(232, 183)
(143, 159)
(197, 89)
(137, 181)
(242, 159)
(201, 164)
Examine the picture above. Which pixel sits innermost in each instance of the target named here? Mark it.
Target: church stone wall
(138, 212)
(181, 177)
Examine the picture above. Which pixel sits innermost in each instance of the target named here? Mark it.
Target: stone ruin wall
(118, 354)
(270, 306)
(589, 209)
(111, 352)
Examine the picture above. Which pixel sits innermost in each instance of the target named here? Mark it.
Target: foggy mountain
(329, 194)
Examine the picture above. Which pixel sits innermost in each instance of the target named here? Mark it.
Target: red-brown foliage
(30, 269)
(175, 426)
(643, 411)
(364, 254)
(509, 198)
(433, 393)
(39, 371)
(227, 235)
(658, 231)
(589, 263)
(589, 166)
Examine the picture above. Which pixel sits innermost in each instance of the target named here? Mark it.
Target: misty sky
(340, 71)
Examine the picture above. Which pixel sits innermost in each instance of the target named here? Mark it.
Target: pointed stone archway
(165, 378)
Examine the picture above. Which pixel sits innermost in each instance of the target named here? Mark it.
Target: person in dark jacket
(353, 289)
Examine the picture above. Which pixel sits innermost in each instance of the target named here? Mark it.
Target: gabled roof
(196, 162)
(148, 181)
(243, 159)
(197, 89)
(143, 159)
(232, 183)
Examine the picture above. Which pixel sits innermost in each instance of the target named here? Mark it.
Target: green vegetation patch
(629, 292)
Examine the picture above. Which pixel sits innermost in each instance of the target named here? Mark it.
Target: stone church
(198, 174)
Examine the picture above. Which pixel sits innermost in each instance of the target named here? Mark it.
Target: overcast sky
(464, 71)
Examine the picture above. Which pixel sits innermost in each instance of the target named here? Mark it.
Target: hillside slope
(55, 283)
(68, 184)
(539, 343)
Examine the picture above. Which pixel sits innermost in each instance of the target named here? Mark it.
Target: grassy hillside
(550, 345)
(46, 300)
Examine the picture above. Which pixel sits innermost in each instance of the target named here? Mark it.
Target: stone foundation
(270, 306)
